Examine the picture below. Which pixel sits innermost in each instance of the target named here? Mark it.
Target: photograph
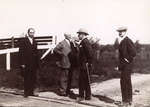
(74, 53)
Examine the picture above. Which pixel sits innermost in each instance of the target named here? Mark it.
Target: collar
(84, 38)
(30, 39)
(121, 39)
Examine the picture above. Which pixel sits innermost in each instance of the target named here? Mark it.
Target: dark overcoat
(28, 53)
(85, 57)
(28, 56)
(126, 50)
(85, 52)
(74, 55)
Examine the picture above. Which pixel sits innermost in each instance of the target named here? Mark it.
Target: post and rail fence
(11, 45)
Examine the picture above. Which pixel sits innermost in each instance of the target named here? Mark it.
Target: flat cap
(82, 30)
(122, 29)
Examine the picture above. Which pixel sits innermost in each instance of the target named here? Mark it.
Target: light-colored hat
(122, 29)
(81, 30)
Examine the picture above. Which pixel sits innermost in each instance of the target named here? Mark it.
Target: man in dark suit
(28, 56)
(73, 58)
(127, 52)
(85, 59)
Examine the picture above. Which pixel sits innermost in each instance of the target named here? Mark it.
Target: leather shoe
(79, 99)
(72, 96)
(35, 95)
(25, 96)
(87, 98)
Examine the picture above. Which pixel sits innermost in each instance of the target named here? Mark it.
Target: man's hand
(126, 60)
(52, 51)
(23, 66)
(116, 68)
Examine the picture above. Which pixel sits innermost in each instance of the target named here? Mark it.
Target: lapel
(66, 44)
(81, 43)
(28, 43)
(34, 42)
(67, 48)
(123, 44)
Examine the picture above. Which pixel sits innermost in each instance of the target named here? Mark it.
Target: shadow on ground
(104, 98)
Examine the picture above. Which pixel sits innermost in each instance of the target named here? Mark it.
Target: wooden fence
(11, 45)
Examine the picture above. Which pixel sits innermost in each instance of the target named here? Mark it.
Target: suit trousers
(84, 84)
(63, 79)
(69, 80)
(29, 81)
(126, 85)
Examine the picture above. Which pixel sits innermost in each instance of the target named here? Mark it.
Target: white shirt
(120, 39)
(30, 39)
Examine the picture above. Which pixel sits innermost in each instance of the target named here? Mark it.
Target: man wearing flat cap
(63, 49)
(127, 52)
(85, 59)
(73, 58)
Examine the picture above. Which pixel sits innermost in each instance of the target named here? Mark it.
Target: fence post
(12, 42)
(55, 40)
(8, 61)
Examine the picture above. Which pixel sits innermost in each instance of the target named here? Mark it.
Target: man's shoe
(25, 96)
(72, 96)
(62, 94)
(126, 104)
(69, 92)
(130, 104)
(117, 103)
(35, 95)
(79, 99)
(87, 98)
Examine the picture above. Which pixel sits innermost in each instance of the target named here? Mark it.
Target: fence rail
(13, 42)
(11, 45)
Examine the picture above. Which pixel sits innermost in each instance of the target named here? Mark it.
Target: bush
(11, 79)
(49, 73)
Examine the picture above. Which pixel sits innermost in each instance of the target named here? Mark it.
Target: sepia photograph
(74, 53)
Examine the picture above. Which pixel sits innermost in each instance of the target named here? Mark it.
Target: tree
(116, 44)
(138, 46)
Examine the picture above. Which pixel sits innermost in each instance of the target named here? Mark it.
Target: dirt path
(104, 95)
(10, 100)
(141, 89)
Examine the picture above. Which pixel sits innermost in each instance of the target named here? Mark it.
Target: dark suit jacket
(126, 50)
(85, 54)
(74, 55)
(28, 54)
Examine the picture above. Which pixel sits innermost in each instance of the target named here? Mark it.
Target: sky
(55, 17)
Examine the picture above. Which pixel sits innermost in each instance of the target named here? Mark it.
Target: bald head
(67, 36)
